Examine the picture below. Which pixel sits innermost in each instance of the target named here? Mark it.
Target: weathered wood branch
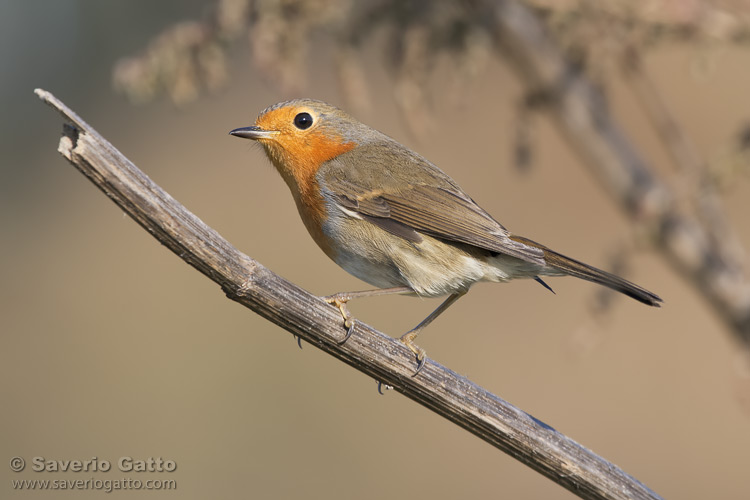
(246, 281)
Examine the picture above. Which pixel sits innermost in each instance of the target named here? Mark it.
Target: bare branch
(697, 185)
(582, 116)
(246, 281)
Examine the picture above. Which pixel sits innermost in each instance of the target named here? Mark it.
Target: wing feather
(440, 212)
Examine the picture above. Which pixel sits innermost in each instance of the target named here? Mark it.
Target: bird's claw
(421, 354)
(349, 331)
(340, 300)
(421, 361)
(298, 339)
(382, 385)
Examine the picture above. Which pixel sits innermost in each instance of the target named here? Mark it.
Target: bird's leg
(408, 337)
(340, 299)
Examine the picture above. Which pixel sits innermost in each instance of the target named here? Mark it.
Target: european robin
(393, 219)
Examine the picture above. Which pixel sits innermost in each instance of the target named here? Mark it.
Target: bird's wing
(439, 209)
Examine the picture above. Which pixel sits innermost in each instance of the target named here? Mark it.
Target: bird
(395, 220)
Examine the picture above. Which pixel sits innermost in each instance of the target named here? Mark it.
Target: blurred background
(112, 346)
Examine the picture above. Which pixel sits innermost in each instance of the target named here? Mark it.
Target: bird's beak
(253, 133)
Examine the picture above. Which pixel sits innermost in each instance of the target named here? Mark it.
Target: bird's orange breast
(298, 159)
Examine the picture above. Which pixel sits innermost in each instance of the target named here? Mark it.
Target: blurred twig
(246, 281)
(697, 187)
(191, 55)
(581, 114)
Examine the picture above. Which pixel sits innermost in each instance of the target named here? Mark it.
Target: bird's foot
(421, 354)
(339, 300)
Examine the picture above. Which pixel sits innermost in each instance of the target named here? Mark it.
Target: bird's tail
(578, 269)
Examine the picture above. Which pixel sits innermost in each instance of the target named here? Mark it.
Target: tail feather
(544, 284)
(578, 269)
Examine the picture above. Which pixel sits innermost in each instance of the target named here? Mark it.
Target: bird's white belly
(430, 267)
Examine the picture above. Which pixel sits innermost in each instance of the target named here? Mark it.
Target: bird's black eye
(303, 121)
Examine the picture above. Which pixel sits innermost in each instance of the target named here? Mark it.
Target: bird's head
(300, 135)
